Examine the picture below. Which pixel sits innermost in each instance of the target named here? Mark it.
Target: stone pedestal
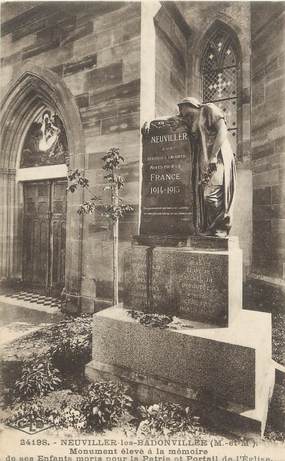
(200, 281)
(189, 362)
(213, 351)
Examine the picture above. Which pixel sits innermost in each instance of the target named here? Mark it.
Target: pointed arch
(226, 28)
(220, 75)
(32, 89)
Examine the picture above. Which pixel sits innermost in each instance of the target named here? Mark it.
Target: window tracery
(220, 74)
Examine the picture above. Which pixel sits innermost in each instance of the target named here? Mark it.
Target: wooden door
(44, 235)
(57, 235)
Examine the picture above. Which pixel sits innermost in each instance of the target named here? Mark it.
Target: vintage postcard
(142, 241)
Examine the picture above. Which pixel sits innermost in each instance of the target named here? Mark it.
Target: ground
(29, 333)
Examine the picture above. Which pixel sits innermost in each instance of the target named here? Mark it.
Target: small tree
(113, 210)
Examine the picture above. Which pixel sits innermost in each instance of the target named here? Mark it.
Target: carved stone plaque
(166, 181)
(136, 290)
(194, 284)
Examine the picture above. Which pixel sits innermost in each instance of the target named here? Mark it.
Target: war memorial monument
(185, 264)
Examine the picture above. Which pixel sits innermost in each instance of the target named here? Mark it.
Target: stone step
(232, 367)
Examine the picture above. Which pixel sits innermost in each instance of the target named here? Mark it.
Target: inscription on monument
(166, 182)
(187, 283)
(136, 291)
(199, 289)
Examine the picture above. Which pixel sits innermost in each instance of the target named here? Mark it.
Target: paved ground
(17, 320)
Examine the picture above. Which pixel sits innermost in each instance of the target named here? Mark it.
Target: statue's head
(189, 104)
(189, 108)
(46, 115)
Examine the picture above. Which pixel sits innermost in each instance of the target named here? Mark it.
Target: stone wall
(268, 146)
(170, 60)
(89, 51)
(111, 117)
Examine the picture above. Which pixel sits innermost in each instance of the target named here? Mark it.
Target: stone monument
(166, 205)
(212, 346)
(171, 270)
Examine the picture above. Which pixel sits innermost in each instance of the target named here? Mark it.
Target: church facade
(81, 77)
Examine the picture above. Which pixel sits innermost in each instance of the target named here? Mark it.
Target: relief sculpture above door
(45, 142)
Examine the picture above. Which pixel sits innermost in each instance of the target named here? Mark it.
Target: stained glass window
(220, 74)
(45, 142)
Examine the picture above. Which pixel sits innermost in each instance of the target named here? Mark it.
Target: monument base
(200, 281)
(230, 367)
(192, 241)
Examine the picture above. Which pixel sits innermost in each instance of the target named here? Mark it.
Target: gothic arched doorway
(35, 98)
(44, 203)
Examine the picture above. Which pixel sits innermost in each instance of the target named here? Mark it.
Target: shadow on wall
(242, 222)
(261, 296)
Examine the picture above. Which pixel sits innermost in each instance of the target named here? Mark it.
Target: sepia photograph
(142, 230)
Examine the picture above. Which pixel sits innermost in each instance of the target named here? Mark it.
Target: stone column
(148, 13)
(147, 95)
(11, 219)
(8, 219)
(3, 222)
(74, 242)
